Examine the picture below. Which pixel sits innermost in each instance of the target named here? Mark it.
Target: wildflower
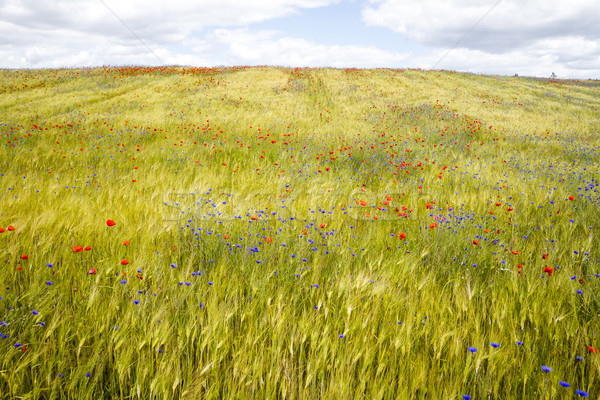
(124, 262)
(34, 312)
(24, 257)
(92, 271)
(110, 222)
(136, 302)
(88, 374)
(10, 228)
(582, 393)
(549, 270)
(125, 243)
(564, 384)
(77, 249)
(466, 397)
(519, 343)
(592, 349)
(495, 345)
(476, 242)
(173, 265)
(341, 336)
(473, 349)
(49, 283)
(579, 291)
(579, 358)
(88, 248)
(571, 198)
(545, 256)
(546, 369)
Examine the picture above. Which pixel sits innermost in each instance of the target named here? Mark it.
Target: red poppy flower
(433, 225)
(476, 242)
(11, 228)
(516, 252)
(545, 256)
(402, 235)
(24, 257)
(549, 270)
(2, 230)
(498, 204)
(88, 248)
(571, 198)
(110, 222)
(509, 209)
(323, 225)
(268, 240)
(77, 249)
(93, 271)
(124, 262)
(592, 349)
(125, 243)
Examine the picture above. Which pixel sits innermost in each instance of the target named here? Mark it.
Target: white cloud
(508, 24)
(534, 37)
(530, 38)
(268, 47)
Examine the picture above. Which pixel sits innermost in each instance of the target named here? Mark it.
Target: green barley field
(279, 233)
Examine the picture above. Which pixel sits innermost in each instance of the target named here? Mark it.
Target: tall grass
(298, 233)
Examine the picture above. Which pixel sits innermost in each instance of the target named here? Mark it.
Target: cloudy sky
(528, 37)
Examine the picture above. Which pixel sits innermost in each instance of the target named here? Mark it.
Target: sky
(500, 37)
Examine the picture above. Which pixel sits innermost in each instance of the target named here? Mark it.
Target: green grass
(265, 207)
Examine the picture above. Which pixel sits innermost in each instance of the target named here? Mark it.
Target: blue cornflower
(582, 393)
(519, 343)
(173, 265)
(473, 349)
(546, 369)
(17, 344)
(466, 397)
(160, 351)
(495, 345)
(42, 324)
(579, 358)
(49, 283)
(34, 312)
(579, 291)
(136, 301)
(341, 336)
(49, 265)
(210, 283)
(88, 374)
(564, 384)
